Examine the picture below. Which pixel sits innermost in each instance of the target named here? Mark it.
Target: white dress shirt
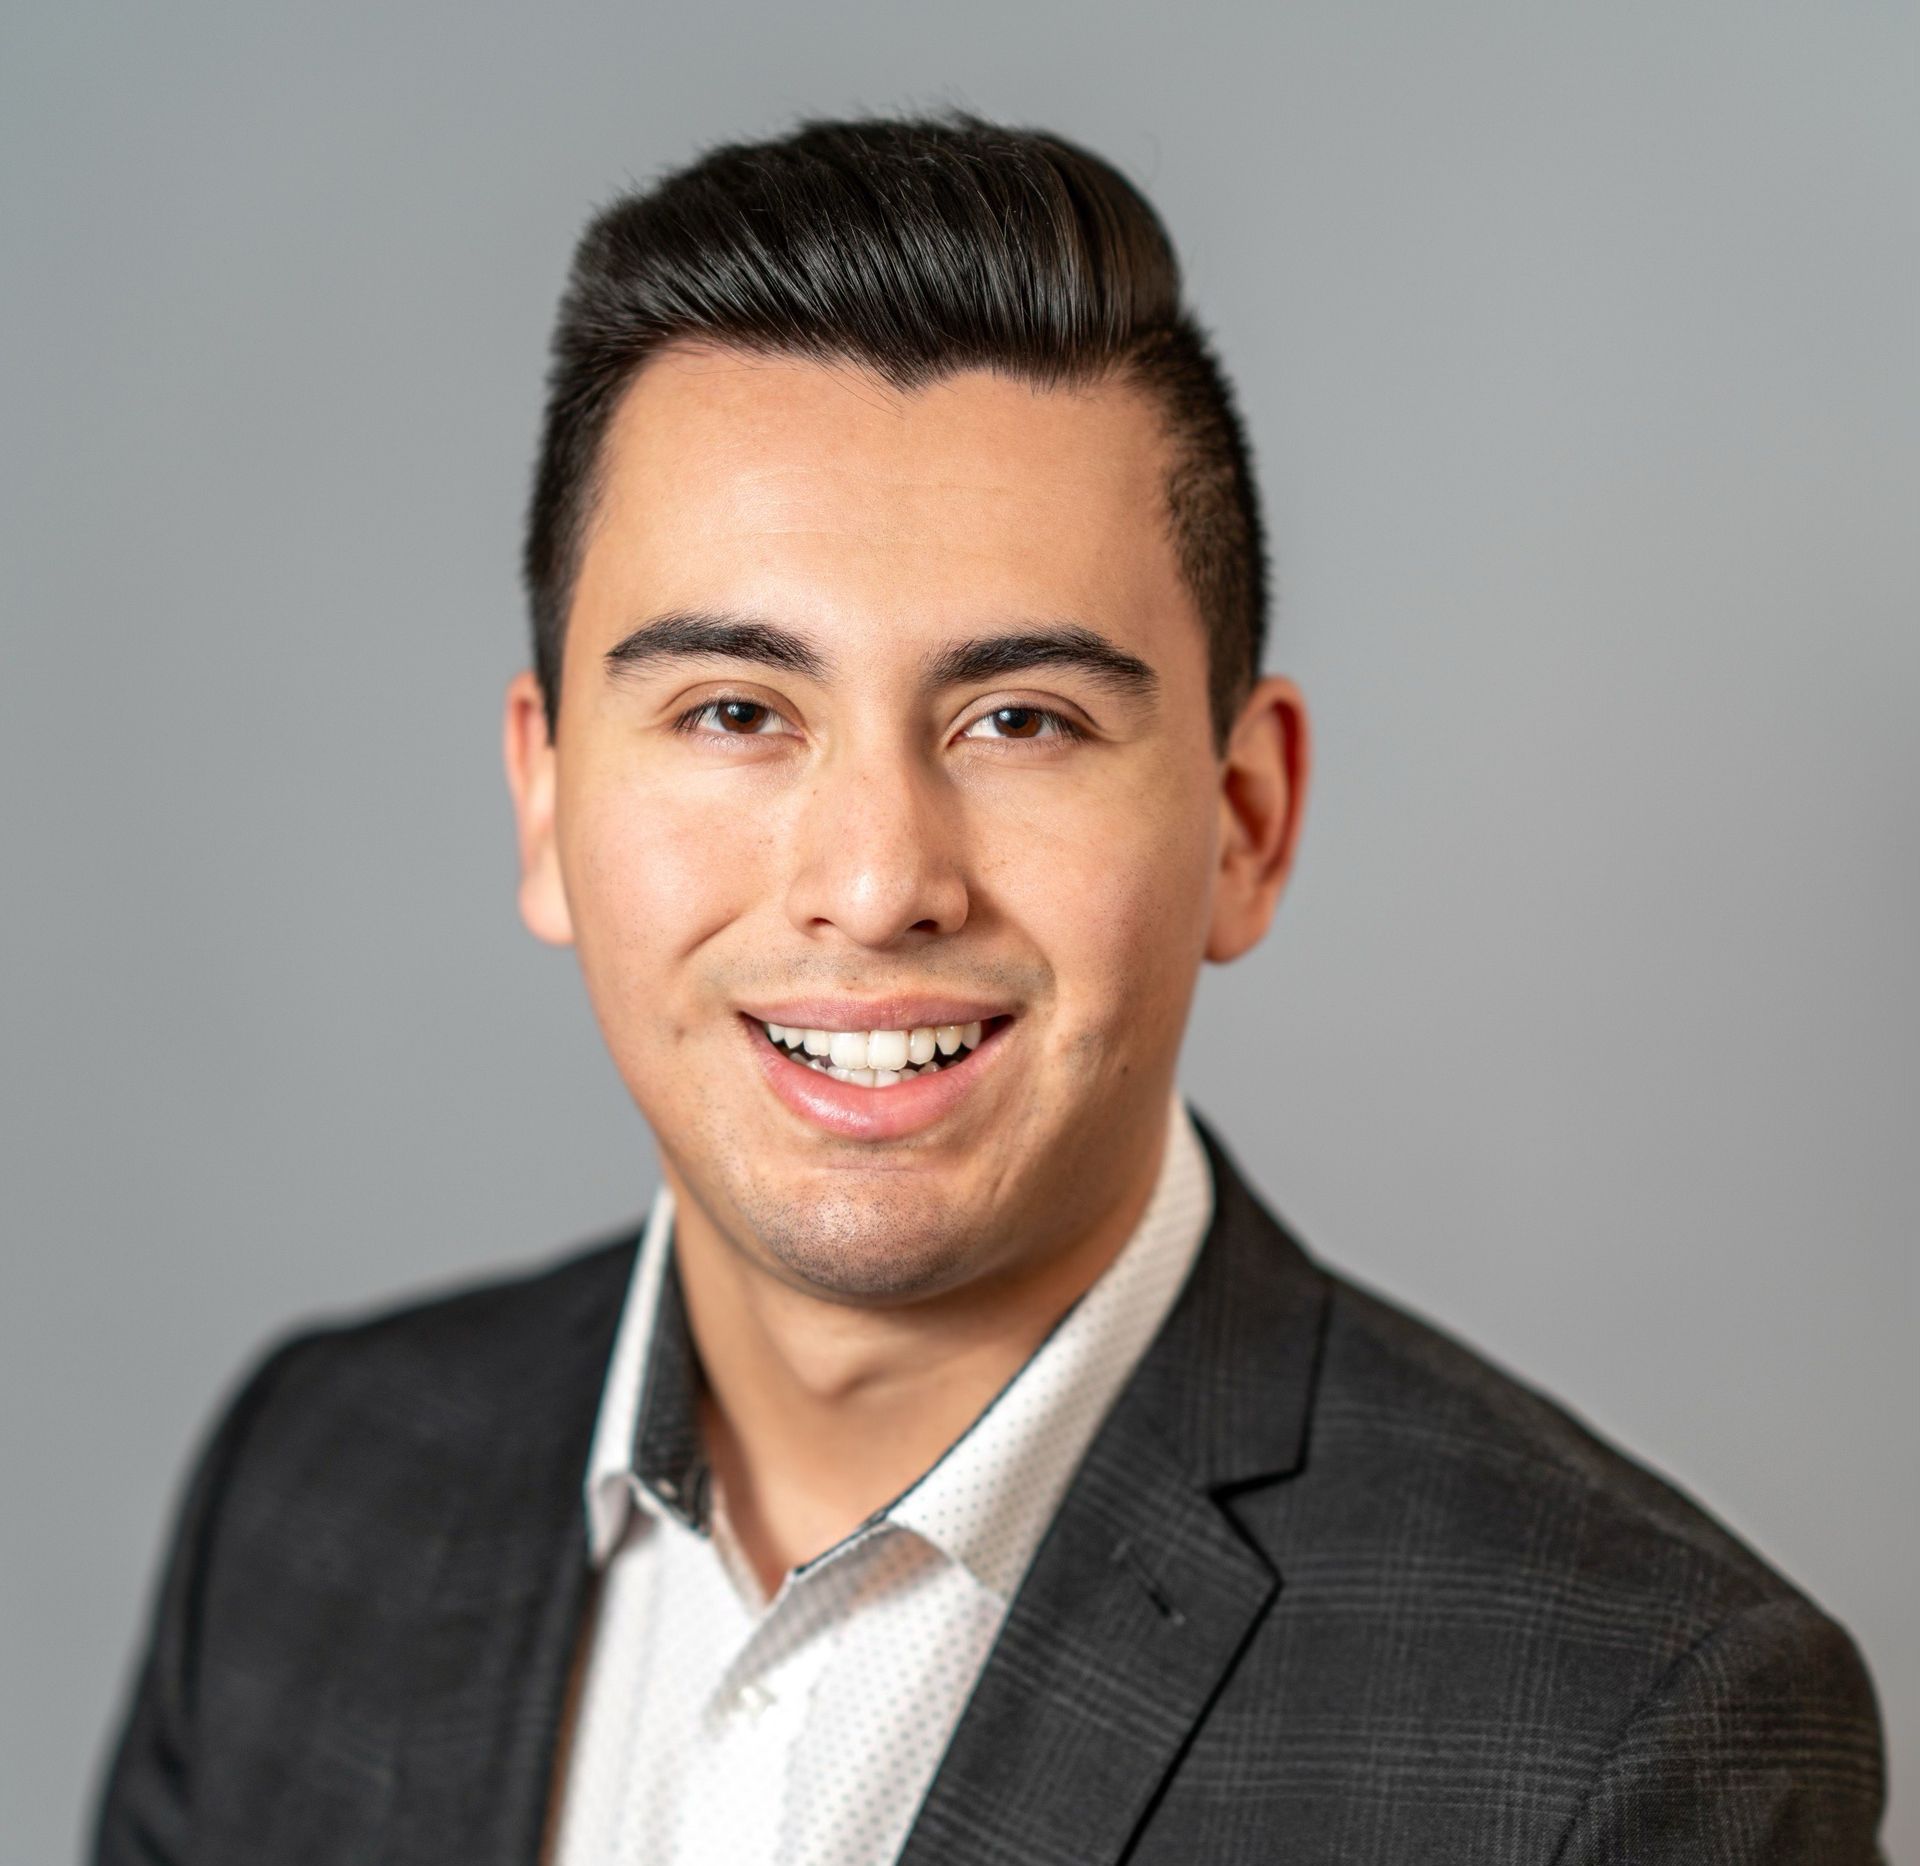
(716, 1726)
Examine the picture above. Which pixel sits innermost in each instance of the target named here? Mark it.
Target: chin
(875, 1248)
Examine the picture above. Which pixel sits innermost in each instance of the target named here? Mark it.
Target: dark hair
(914, 247)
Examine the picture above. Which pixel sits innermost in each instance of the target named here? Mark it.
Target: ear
(1263, 792)
(531, 777)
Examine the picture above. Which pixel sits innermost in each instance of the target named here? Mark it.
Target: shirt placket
(733, 1806)
(739, 1796)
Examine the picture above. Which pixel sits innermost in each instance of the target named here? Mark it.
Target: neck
(817, 1413)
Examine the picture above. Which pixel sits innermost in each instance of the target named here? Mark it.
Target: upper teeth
(878, 1056)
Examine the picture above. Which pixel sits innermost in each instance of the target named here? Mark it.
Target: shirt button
(752, 1699)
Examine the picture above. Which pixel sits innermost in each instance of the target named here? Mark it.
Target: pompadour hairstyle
(915, 247)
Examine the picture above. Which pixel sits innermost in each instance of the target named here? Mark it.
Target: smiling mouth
(881, 1059)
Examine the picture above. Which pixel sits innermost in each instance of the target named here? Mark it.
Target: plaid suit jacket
(1326, 1587)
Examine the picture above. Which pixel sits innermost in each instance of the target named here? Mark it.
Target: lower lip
(856, 1113)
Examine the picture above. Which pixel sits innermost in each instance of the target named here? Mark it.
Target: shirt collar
(651, 1400)
(987, 1500)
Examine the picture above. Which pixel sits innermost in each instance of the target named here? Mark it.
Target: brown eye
(732, 718)
(1022, 723)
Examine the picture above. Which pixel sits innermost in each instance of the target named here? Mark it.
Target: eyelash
(689, 721)
(1061, 726)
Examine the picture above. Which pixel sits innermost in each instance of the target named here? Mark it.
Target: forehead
(818, 492)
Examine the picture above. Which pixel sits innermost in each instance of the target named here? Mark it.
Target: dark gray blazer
(1327, 1587)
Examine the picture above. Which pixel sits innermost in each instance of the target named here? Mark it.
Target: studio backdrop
(1577, 349)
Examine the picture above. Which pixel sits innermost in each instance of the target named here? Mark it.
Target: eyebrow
(1067, 644)
(698, 634)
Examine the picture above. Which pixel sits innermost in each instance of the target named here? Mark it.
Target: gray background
(1578, 344)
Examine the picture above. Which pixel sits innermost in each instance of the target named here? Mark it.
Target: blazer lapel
(486, 1671)
(1144, 1590)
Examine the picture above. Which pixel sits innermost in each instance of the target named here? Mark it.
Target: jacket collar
(1229, 1381)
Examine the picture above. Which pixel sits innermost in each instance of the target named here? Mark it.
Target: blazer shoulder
(1401, 1394)
(437, 1365)
(1451, 1514)
(1509, 1483)
(321, 1487)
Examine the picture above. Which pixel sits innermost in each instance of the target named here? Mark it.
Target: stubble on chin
(880, 1240)
(878, 1246)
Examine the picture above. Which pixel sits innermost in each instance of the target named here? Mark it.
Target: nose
(878, 854)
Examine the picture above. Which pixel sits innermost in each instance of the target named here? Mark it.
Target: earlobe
(1263, 789)
(532, 778)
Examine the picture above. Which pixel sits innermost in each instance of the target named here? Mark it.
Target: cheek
(1114, 891)
(652, 874)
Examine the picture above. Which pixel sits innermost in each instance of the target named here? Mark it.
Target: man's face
(888, 712)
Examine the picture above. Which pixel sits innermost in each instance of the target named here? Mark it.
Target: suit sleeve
(1761, 1746)
(144, 1813)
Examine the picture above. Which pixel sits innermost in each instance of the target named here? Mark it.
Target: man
(961, 1464)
